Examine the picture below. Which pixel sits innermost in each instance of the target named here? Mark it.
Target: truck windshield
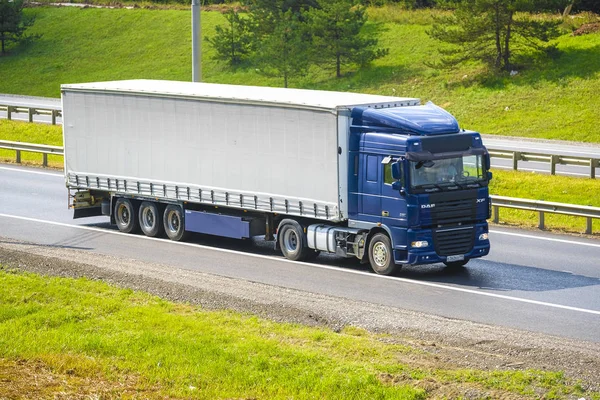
(448, 173)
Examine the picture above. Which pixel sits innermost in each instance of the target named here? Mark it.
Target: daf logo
(481, 200)
(427, 205)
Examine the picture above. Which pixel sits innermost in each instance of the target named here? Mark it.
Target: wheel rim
(380, 254)
(148, 218)
(173, 222)
(123, 214)
(290, 241)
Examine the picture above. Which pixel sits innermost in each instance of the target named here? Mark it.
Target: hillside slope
(552, 99)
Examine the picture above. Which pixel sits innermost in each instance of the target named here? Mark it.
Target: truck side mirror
(397, 185)
(489, 176)
(397, 170)
(488, 161)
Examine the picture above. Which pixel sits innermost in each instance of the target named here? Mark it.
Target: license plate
(455, 258)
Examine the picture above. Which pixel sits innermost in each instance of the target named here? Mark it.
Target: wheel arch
(372, 232)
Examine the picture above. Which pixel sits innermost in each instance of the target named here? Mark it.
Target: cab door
(370, 185)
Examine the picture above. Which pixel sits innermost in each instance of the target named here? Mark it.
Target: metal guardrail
(553, 159)
(31, 111)
(542, 207)
(18, 147)
(515, 156)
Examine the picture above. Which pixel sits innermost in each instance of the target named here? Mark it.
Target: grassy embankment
(552, 99)
(86, 338)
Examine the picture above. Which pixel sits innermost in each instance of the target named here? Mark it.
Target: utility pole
(196, 42)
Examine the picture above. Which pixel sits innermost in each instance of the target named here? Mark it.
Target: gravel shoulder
(446, 343)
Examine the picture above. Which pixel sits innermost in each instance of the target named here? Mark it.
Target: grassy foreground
(81, 336)
(554, 99)
(525, 185)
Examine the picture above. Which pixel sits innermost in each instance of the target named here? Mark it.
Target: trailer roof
(314, 99)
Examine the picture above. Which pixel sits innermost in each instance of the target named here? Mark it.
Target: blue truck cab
(420, 181)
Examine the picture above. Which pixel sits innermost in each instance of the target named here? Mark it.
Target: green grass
(90, 331)
(30, 133)
(559, 189)
(551, 99)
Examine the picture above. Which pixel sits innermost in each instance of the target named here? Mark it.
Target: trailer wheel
(456, 264)
(381, 257)
(125, 216)
(173, 223)
(150, 219)
(292, 240)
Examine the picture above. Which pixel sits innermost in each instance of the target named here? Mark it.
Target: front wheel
(381, 256)
(173, 223)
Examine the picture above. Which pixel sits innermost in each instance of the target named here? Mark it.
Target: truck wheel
(150, 219)
(292, 240)
(456, 264)
(381, 256)
(125, 216)
(173, 223)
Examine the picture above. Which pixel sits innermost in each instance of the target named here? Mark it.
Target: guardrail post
(44, 159)
(593, 164)
(18, 157)
(54, 112)
(31, 112)
(588, 226)
(542, 225)
(553, 161)
(516, 158)
(496, 213)
(9, 113)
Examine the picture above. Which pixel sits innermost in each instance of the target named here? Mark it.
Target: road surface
(534, 281)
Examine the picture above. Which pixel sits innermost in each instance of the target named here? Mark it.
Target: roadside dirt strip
(447, 343)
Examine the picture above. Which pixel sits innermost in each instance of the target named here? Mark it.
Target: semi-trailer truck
(381, 179)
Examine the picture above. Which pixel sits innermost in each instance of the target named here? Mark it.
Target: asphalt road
(32, 102)
(531, 280)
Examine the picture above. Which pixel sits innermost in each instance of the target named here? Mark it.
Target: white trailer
(251, 148)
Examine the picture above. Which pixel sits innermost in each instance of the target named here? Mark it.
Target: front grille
(449, 242)
(455, 208)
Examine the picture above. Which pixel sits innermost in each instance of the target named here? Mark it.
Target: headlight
(420, 244)
(483, 236)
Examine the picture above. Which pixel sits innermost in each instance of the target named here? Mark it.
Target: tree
(232, 43)
(492, 31)
(283, 52)
(268, 14)
(338, 40)
(12, 23)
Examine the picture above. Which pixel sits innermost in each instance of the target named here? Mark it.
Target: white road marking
(523, 235)
(371, 275)
(28, 171)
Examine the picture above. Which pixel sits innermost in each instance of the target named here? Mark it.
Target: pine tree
(492, 31)
(283, 52)
(233, 42)
(13, 23)
(338, 40)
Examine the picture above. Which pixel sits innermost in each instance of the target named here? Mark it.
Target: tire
(126, 216)
(292, 240)
(456, 264)
(173, 223)
(381, 256)
(150, 219)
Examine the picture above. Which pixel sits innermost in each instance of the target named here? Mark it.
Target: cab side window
(387, 174)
